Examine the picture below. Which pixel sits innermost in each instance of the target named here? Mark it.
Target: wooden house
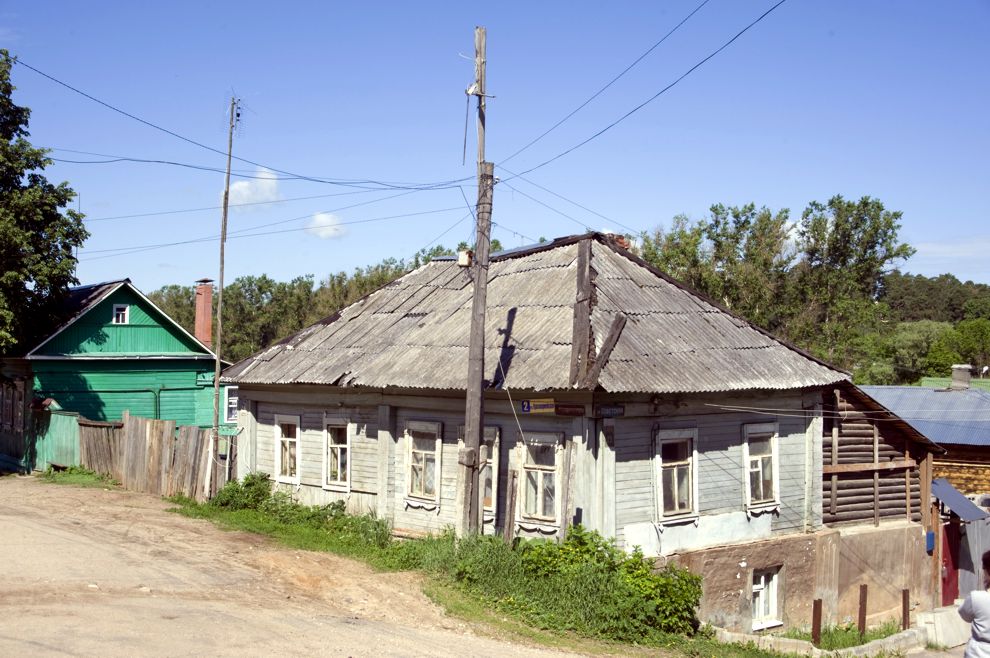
(615, 397)
(115, 351)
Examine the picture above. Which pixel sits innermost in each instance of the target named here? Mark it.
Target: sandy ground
(88, 571)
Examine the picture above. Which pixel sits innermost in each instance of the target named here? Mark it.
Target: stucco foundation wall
(888, 558)
(727, 577)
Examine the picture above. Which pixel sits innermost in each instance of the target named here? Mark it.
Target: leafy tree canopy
(37, 230)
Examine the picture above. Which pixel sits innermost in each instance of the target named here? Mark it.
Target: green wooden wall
(179, 390)
(147, 332)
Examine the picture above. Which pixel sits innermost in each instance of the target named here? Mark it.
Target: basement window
(121, 313)
(765, 610)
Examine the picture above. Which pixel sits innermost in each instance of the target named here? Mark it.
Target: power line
(570, 201)
(547, 206)
(149, 247)
(192, 141)
(232, 205)
(609, 84)
(656, 95)
(363, 184)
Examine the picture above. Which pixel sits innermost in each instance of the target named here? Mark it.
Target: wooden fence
(150, 456)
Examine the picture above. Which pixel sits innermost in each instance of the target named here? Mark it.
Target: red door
(950, 562)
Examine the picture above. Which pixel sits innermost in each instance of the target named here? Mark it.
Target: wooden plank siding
(720, 469)
(871, 468)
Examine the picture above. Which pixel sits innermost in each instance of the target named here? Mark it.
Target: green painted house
(118, 351)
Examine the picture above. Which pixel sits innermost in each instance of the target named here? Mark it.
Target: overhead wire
(563, 214)
(656, 95)
(230, 205)
(201, 145)
(608, 84)
(570, 201)
(123, 251)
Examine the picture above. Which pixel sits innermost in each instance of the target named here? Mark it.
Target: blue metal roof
(962, 506)
(945, 417)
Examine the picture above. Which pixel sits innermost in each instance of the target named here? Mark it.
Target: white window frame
(750, 431)
(230, 392)
(277, 448)
(493, 433)
(766, 588)
(677, 436)
(426, 428)
(556, 439)
(349, 428)
(121, 309)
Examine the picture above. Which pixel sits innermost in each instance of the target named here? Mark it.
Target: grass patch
(79, 477)
(847, 635)
(581, 594)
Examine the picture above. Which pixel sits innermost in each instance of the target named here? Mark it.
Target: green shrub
(249, 494)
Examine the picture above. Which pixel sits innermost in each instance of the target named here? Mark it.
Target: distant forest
(827, 282)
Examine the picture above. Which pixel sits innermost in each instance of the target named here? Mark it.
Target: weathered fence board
(150, 456)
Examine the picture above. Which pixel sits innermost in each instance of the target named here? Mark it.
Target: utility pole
(235, 115)
(474, 413)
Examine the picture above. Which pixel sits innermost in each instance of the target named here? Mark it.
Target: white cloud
(255, 190)
(325, 226)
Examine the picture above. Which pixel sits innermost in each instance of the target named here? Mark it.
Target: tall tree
(845, 250)
(37, 230)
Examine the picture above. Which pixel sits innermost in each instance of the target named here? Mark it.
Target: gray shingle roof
(414, 332)
(944, 416)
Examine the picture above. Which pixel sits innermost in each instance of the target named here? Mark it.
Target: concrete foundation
(829, 564)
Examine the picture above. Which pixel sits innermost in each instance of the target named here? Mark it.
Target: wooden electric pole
(235, 114)
(474, 412)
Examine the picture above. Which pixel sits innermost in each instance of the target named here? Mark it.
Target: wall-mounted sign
(569, 409)
(610, 410)
(540, 406)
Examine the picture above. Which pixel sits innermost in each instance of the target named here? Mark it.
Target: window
(120, 313)
(488, 462)
(287, 449)
(230, 403)
(425, 443)
(760, 464)
(336, 454)
(676, 461)
(765, 599)
(539, 479)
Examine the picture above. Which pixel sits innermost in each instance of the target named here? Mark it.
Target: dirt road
(86, 572)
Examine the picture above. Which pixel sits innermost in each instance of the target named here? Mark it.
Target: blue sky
(887, 99)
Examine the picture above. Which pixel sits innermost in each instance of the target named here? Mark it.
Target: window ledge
(295, 482)
(423, 504)
(678, 520)
(338, 488)
(766, 624)
(763, 508)
(542, 526)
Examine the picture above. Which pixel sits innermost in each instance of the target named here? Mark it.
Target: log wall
(871, 469)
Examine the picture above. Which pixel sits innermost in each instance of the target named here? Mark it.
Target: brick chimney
(960, 377)
(204, 312)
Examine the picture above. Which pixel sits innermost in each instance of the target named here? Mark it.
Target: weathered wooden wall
(871, 470)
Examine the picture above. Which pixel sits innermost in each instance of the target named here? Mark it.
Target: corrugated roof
(944, 416)
(951, 497)
(414, 332)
